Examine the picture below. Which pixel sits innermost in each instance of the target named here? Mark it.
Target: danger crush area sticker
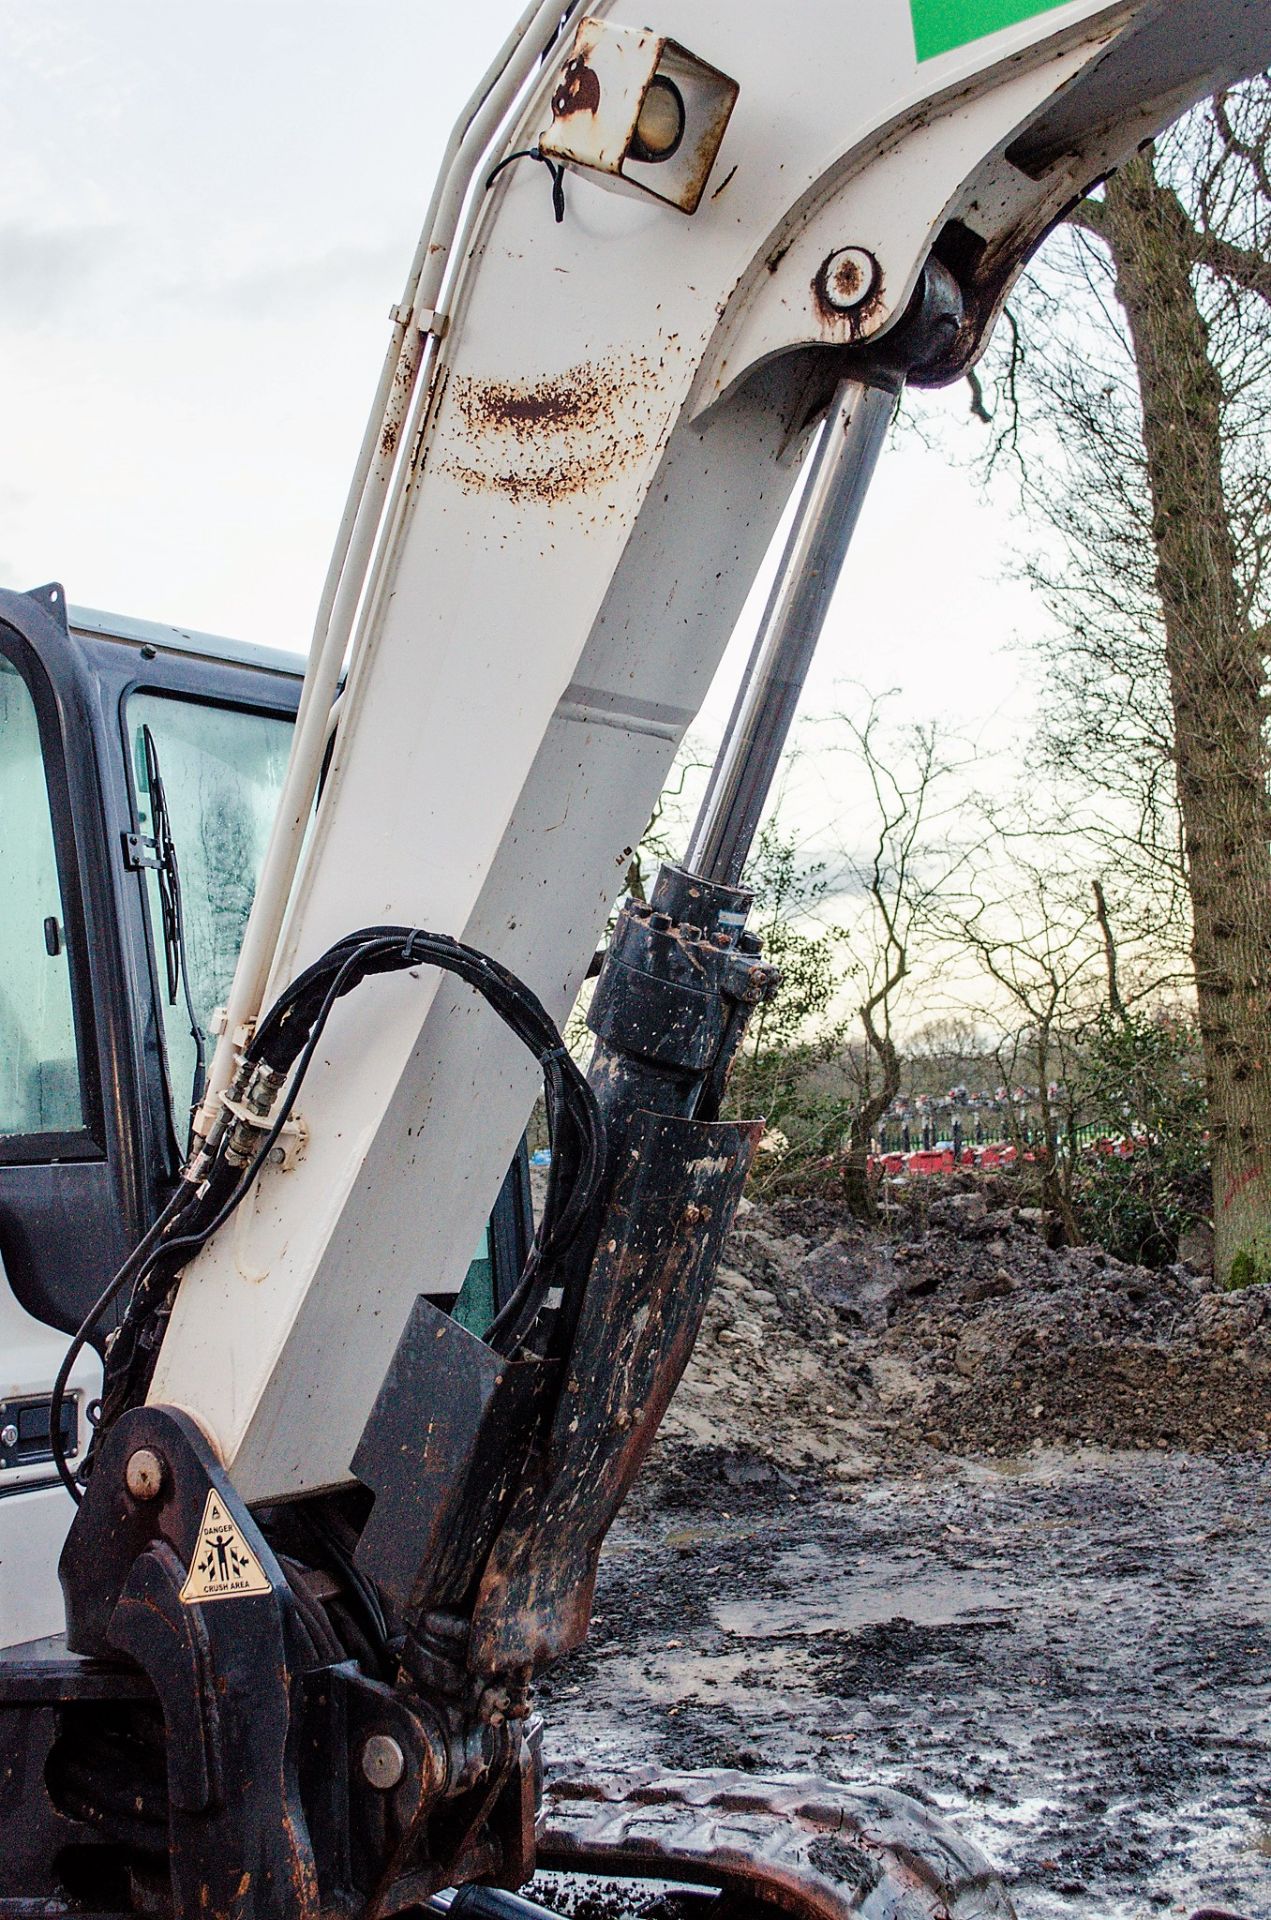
(222, 1566)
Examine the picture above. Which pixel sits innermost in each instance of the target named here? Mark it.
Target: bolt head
(848, 278)
(143, 1476)
(383, 1762)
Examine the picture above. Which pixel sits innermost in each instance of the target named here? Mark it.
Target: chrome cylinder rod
(842, 468)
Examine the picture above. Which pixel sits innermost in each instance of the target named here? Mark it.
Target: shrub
(1143, 1086)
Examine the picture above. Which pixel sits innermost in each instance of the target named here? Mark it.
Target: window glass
(474, 1309)
(221, 771)
(39, 1073)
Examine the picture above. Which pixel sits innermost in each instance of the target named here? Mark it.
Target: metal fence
(960, 1130)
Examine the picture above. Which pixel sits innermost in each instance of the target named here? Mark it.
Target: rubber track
(812, 1847)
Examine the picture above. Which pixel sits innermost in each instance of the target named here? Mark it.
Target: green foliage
(1143, 1083)
(787, 896)
(1250, 1267)
(796, 1033)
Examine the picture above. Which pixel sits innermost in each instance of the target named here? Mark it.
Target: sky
(205, 216)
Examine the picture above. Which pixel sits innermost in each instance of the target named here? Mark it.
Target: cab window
(222, 770)
(39, 1072)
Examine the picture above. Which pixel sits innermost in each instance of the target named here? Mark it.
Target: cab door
(77, 1160)
(56, 1189)
(67, 1215)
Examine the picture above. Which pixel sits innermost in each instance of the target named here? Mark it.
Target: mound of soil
(828, 1342)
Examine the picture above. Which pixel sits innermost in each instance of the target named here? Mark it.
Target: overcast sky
(205, 215)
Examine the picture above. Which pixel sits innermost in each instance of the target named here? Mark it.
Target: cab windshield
(222, 771)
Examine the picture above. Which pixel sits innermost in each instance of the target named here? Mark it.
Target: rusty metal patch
(579, 89)
(847, 296)
(566, 434)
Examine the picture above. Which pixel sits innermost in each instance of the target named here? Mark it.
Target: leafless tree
(1036, 940)
(896, 876)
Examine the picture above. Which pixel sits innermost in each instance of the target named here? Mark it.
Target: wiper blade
(167, 872)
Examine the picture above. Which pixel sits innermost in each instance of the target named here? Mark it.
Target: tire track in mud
(1068, 1653)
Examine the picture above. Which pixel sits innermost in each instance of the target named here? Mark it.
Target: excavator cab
(140, 767)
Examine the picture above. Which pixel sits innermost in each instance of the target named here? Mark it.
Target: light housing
(641, 110)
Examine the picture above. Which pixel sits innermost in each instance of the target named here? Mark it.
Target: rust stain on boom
(547, 439)
(577, 399)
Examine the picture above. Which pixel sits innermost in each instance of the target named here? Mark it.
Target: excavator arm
(607, 416)
(327, 1534)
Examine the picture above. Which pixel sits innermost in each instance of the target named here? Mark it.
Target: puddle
(843, 1601)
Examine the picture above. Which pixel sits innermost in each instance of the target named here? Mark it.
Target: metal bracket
(428, 320)
(293, 1141)
(135, 855)
(223, 1666)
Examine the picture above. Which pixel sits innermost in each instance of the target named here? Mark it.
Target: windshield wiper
(167, 872)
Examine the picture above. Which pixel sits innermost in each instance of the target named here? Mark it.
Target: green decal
(941, 25)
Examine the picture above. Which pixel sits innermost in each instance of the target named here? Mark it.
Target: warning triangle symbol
(222, 1566)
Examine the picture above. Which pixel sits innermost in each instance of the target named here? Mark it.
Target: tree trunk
(1216, 677)
(1061, 1221)
(860, 1195)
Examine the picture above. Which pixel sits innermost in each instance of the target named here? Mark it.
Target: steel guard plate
(672, 1204)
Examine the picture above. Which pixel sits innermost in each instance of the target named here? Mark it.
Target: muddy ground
(949, 1511)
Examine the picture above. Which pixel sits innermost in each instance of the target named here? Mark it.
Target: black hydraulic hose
(574, 1120)
(174, 1253)
(285, 1042)
(133, 1268)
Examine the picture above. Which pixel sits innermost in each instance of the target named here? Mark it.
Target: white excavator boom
(586, 432)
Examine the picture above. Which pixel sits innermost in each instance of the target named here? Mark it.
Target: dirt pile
(959, 1329)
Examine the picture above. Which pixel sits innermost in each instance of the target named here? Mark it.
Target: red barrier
(931, 1162)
